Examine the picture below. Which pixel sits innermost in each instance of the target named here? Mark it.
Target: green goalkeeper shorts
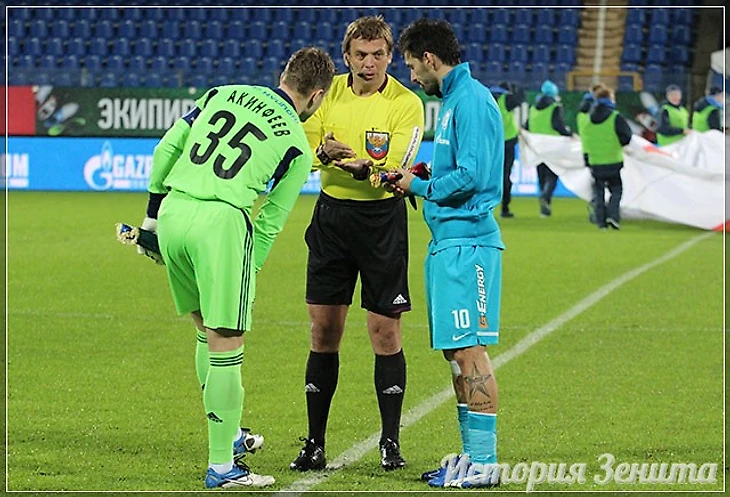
(208, 251)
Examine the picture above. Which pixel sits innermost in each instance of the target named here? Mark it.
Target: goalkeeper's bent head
(307, 78)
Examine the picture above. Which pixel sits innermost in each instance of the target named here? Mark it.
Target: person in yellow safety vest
(509, 97)
(673, 121)
(606, 133)
(546, 118)
(707, 111)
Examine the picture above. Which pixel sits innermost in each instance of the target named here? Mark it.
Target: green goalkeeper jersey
(238, 140)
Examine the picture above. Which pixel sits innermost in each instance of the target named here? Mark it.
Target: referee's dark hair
(430, 35)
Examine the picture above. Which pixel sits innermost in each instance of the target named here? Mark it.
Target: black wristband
(322, 155)
(153, 204)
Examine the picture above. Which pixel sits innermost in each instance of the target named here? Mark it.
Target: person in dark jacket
(673, 121)
(546, 118)
(606, 133)
(509, 97)
(707, 111)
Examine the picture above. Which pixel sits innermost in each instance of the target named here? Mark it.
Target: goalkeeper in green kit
(208, 171)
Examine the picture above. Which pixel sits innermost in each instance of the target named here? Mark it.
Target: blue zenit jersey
(467, 170)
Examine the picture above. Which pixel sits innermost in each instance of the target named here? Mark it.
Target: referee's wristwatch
(322, 155)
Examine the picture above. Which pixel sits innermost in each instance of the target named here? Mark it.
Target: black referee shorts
(351, 237)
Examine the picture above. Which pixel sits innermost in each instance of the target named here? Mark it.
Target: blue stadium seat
(153, 80)
(659, 17)
(204, 65)
(198, 80)
(654, 78)
(165, 47)
(42, 77)
(219, 15)
(656, 55)
(131, 79)
(182, 63)
(13, 47)
(544, 34)
(115, 63)
(137, 63)
(658, 34)
(127, 28)
(249, 65)
(222, 80)
(565, 54)
(516, 69)
(191, 29)
(518, 53)
(16, 28)
(280, 29)
(66, 14)
(199, 14)
(477, 33)
(296, 44)
(632, 54)
(47, 62)
(682, 16)
(569, 17)
(43, 14)
(81, 29)
(679, 55)
(539, 70)
(474, 52)
(65, 79)
(332, 15)
(567, 35)
(92, 63)
(143, 47)
(501, 16)
(153, 14)
(103, 29)
(271, 64)
(545, 17)
(302, 30)
(186, 47)
(306, 15)
(69, 62)
(159, 63)
(498, 33)
(681, 35)
(257, 30)
(261, 15)
(108, 14)
(213, 29)
(208, 48)
(22, 13)
(457, 16)
(243, 15)
(287, 15)
(54, 46)
(25, 61)
(226, 65)
(60, 29)
(33, 46)
(541, 54)
(478, 16)
(76, 46)
(120, 46)
(520, 34)
(235, 30)
(494, 68)
(636, 16)
(275, 48)
(254, 49)
(38, 28)
(231, 48)
(170, 29)
(523, 16)
(634, 33)
(496, 52)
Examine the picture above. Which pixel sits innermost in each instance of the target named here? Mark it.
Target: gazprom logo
(110, 171)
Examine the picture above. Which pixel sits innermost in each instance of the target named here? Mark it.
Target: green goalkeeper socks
(202, 359)
(223, 400)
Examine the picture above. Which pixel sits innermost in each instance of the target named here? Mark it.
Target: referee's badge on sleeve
(377, 144)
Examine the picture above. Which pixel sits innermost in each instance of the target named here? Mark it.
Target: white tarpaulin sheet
(680, 183)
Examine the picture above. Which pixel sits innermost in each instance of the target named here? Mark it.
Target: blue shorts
(463, 293)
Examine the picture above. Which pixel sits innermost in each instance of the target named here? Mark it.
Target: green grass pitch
(102, 392)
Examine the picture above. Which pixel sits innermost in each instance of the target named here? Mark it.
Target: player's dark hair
(430, 35)
(368, 28)
(309, 69)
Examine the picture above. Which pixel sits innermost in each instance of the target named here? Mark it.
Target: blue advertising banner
(124, 164)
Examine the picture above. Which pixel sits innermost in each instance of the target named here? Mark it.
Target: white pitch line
(414, 415)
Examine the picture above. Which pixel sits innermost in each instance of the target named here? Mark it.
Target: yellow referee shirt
(385, 127)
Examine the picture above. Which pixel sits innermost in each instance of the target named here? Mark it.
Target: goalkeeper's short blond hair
(368, 28)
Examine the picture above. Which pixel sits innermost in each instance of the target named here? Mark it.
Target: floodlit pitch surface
(102, 392)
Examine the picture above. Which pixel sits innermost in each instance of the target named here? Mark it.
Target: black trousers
(509, 159)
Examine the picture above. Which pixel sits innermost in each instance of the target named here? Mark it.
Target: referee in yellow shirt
(368, 121)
